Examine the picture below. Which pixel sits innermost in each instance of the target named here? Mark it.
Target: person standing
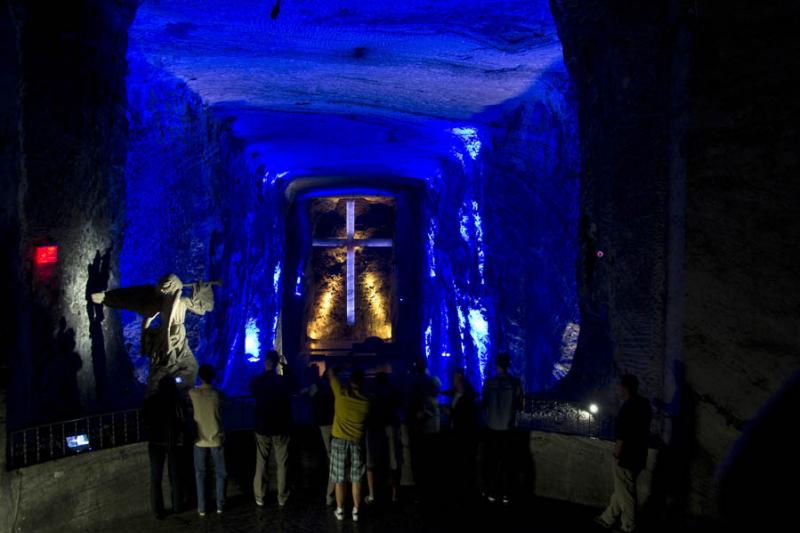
(206, 403)
(502, 398)
(384, 452)
(322, 413)
(164, 419)
(424, 423)
(630, 453)
(351, 408)
(463, 411)
(272, 393)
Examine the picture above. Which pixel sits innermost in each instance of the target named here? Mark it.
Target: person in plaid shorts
(351, 407)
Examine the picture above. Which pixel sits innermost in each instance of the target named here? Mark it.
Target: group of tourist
(365, 428)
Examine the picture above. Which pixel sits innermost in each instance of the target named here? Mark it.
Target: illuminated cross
(350, 242)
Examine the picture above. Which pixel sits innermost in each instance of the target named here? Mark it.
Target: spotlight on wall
(593, 408)
(600, 253)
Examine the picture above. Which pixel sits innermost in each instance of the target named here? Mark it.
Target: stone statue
(165, 344)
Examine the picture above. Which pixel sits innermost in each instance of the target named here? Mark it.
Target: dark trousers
(217, 454)
(499, 448)
(159, 454)
(424, 465)
(463, 461)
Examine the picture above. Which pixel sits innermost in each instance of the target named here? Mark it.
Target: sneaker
(339, 513)
(355, 514)
(369, 500)
(506, 501)
(491, 499)
(219, 511)
(260, 503)
(201, 513)
(602, 523)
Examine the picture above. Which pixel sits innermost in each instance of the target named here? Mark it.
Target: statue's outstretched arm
(142, 299)
(202, 299)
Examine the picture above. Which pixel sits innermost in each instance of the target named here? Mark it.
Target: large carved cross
(350, 242)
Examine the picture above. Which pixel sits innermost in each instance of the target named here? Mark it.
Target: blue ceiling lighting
(234, 115)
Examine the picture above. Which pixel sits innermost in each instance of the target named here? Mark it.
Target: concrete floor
(306, 514)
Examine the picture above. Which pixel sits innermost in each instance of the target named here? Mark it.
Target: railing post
(113, 429)
(25, 448)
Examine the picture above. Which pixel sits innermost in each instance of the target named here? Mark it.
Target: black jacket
(633, 429)
(273, 395)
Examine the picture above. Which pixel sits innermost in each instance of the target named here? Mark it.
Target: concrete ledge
(85, 492)
(578, 469)
(81, 492)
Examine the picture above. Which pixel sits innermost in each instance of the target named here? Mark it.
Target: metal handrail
(47, 442)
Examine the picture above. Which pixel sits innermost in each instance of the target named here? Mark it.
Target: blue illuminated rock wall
(532, 211)
(193, 207)
(502, 241)
(173, 155)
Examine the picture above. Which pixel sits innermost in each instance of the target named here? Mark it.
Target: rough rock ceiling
(403, 58)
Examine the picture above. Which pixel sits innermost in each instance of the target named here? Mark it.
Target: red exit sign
(45, 255)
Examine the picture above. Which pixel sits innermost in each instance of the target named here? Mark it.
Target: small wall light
(593, 408)
(45, 255)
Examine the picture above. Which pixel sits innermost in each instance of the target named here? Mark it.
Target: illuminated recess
(377, 306)
(350, 244)
(462, 325)
(478, 224)
(321, 325)
(298, 286)
(252, 345)
(463, 224)
(569, 342)
(276, 279)
(469, 136)
(479, 331)
(431, 248)
(274, 330)
(428, 333)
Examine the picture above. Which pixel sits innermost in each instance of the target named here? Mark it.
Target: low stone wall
(76, 493)
(578, 469)
(85, 491)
